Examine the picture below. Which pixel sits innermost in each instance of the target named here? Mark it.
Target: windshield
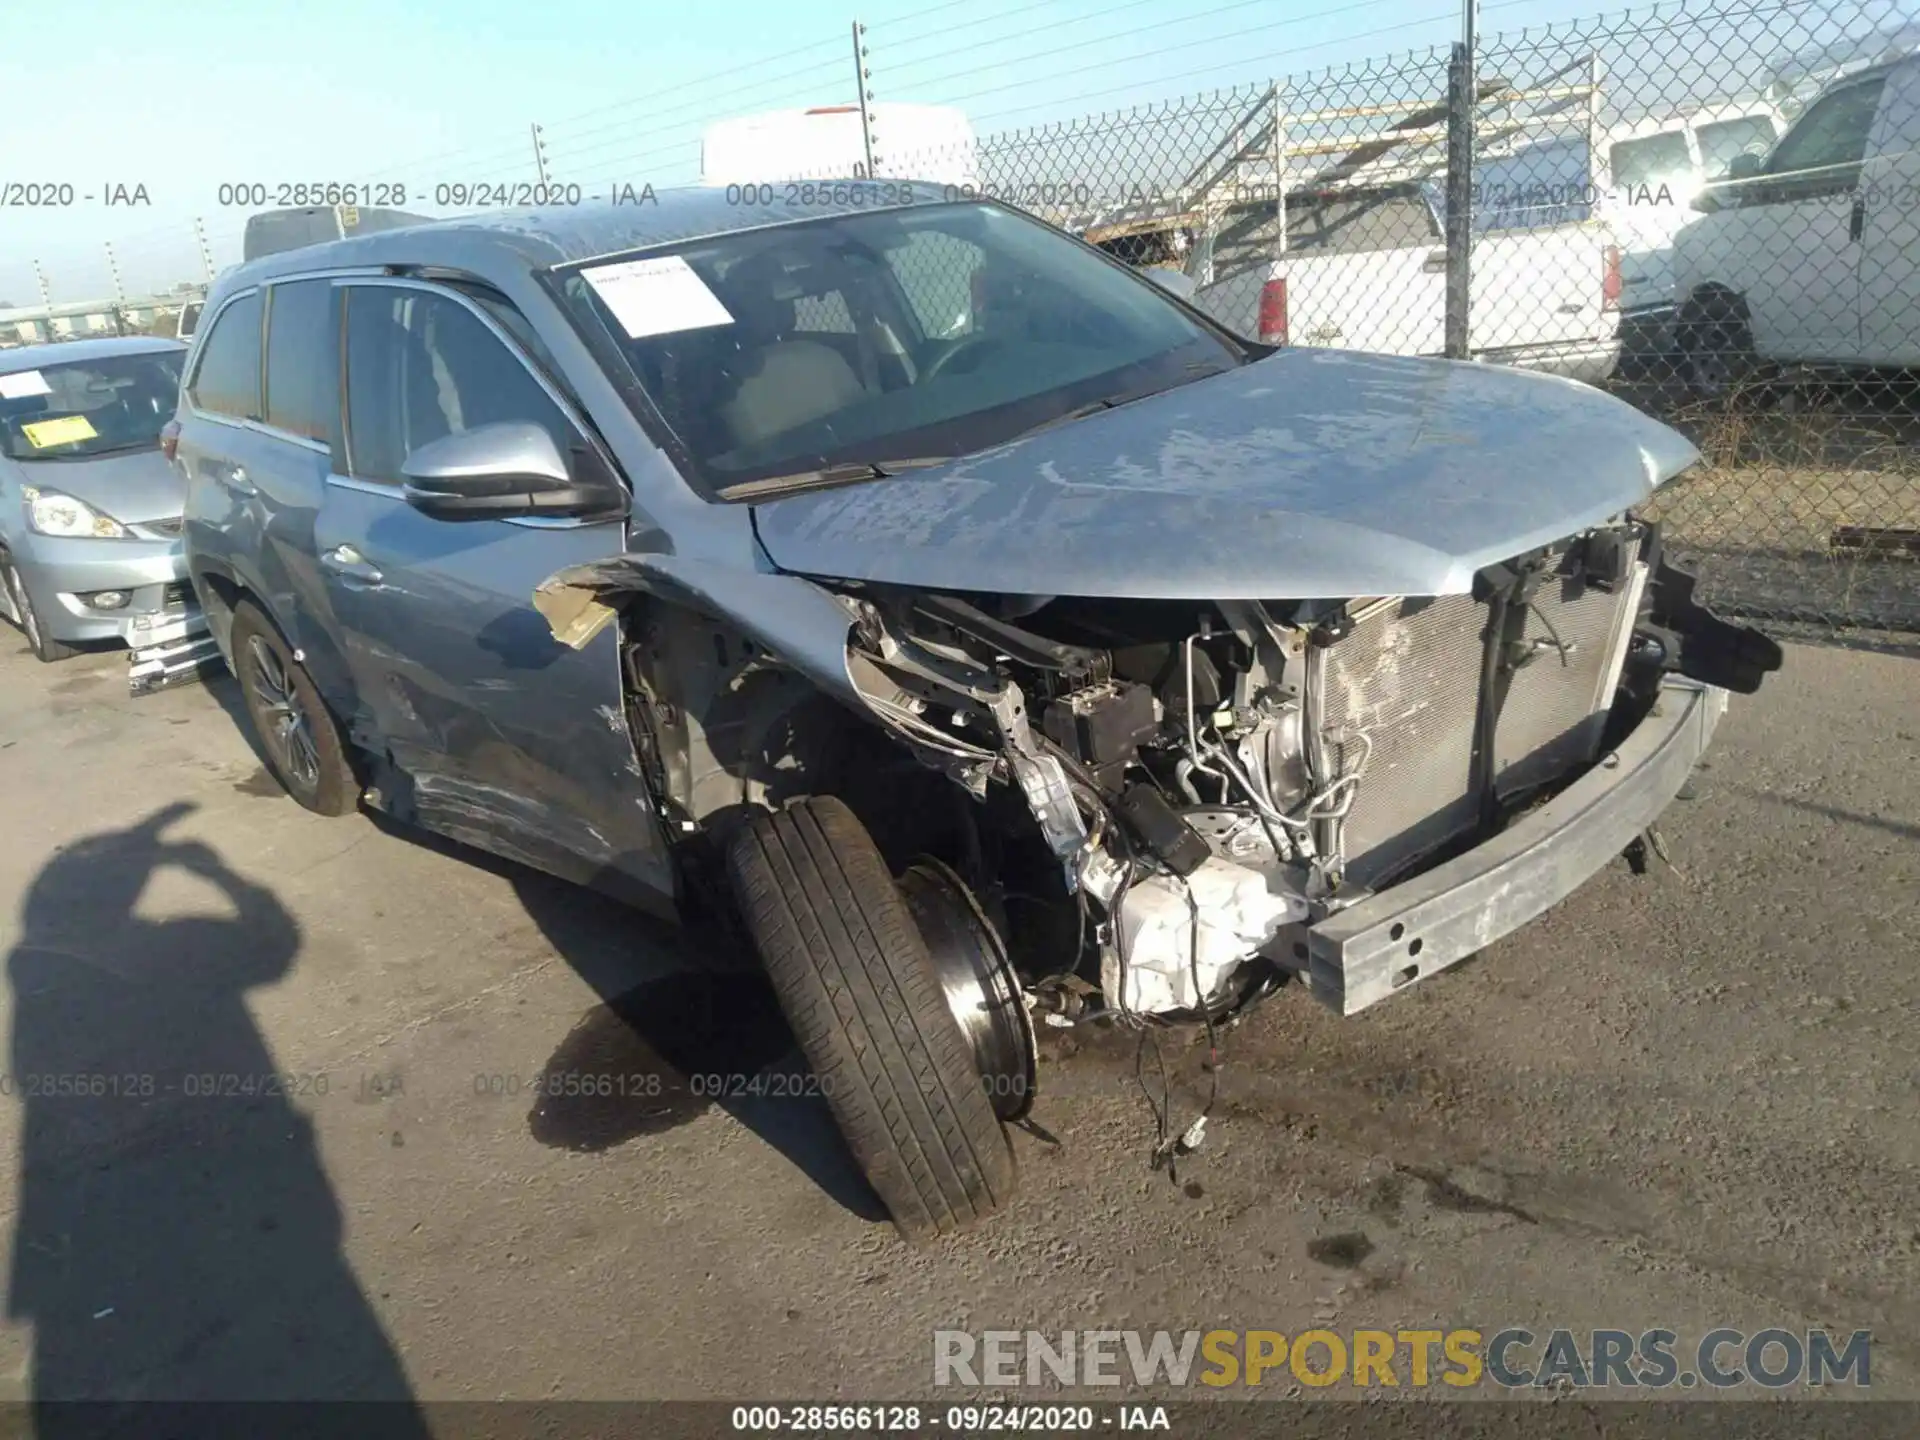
(88, 407)
(898, 335)
(1724, 139)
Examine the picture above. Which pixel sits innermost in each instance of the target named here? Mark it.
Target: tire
(274, 686)
(861, 993)
(1717, 346)
(45, 649)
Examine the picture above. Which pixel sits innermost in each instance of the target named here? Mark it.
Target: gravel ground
(1684, 1099)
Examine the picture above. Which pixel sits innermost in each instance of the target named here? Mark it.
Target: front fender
(795, 619)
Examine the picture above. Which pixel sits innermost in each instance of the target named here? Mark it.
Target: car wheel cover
(284, 723)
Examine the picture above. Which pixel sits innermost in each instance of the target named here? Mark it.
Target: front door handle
(1435, 263)
(349, 564)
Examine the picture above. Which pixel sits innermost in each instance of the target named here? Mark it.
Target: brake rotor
(979, 983)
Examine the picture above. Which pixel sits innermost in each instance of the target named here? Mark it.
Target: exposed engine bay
(1209, 779)
(1145, 806)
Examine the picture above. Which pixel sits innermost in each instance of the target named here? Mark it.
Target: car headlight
(51, 513)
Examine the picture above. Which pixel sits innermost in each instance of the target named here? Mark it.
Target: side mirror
(1174, 282)
(504, 471)
(1735, 187)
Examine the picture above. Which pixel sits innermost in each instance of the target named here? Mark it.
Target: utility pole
(46, 301)
(206, 251)
(1463, 104)
(119, 292)
(861, 75)
(540, 156)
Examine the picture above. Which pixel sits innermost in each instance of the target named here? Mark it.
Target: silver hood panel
(133, 488)
(1309, 474)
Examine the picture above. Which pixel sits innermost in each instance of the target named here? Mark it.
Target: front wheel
(45, 649)
(864, 997)
(303, 745)
(1717, 350)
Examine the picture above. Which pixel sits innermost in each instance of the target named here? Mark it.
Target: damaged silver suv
(972, 624)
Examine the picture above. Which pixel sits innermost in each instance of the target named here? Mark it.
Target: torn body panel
(725, 674)
(1197, 790)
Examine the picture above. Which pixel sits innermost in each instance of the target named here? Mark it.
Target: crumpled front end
(1166, 808)
(1219, 784)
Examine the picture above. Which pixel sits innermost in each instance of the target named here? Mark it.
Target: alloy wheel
(284, 722)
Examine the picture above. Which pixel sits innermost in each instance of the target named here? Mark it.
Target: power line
(1230, 65)
(919, 15)
(693, 115)
(568, 151)
(730, 72)
(893, 50)
(1285, 24)
(708, 100)
(1186, 18)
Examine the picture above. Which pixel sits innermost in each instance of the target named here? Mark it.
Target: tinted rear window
(227, 380)
(303, 370)
(1657, 160)
(1355, 224)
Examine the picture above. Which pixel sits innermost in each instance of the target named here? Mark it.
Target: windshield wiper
(95, 454)
(846, 473)
(1113, 402)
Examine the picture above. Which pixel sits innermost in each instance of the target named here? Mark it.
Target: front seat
(783, 382)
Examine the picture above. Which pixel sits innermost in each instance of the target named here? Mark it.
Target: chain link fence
(1715, 214)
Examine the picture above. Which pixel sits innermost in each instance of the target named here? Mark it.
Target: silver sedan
(90, 506)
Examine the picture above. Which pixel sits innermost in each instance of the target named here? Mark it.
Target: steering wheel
(964, 345)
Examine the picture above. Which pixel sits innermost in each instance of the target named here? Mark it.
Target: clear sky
(183, 96)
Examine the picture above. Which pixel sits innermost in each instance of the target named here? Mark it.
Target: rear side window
(227, 379)
(1652, 161)
(1355, 224)
(303, 367)
(421, 366)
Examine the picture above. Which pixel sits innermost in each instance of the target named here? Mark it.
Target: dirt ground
(1686, 1099)
(1808, 505)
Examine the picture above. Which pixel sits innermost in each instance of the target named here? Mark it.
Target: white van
(1808, 255)
(934, 143)
(1656, 168)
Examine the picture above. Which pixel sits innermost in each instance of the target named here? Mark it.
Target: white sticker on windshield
(20, 386)
(657, 297)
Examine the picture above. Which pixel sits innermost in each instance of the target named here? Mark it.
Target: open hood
(1309, 474)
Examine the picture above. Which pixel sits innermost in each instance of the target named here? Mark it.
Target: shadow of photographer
(177, 1238)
